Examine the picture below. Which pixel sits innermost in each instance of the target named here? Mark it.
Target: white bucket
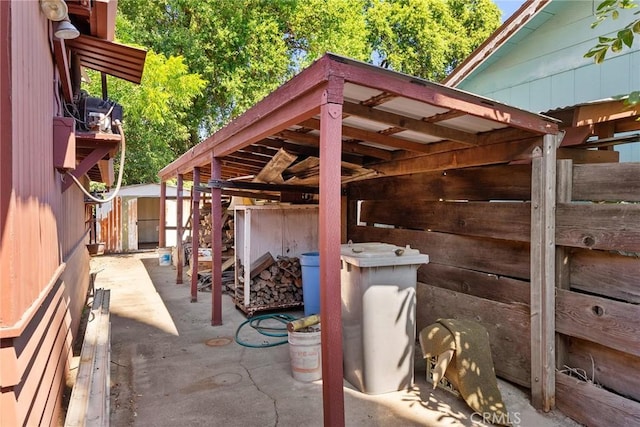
(306, 355)
(164, 256)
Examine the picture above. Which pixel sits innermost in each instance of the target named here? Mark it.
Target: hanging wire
(120, 172)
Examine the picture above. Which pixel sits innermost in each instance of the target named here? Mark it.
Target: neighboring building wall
(45, 264)
(112, 217)
(547, 70)
(543, 68)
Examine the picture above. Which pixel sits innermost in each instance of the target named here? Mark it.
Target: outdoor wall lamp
(57, 11)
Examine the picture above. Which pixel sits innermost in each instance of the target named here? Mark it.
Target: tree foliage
(241, 50)
(623, 37)
(247, 48)
(428, 38)
(154, 114)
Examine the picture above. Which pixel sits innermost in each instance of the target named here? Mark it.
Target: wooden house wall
(544, 68)
(478, 250)
(45, 264)
(598, 295)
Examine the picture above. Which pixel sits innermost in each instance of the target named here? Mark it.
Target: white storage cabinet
(282, 230)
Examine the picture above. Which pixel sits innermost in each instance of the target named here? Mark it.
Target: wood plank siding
(44, 267)
(479, 268)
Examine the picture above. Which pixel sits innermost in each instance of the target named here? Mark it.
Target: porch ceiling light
(65, 30)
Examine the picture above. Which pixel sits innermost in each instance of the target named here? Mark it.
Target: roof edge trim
(510, 27)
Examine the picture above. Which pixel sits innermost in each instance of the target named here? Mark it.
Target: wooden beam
(468, 157)
(543, 201)
(329, 245)
(422, 126)
(375, 137)
(272, 171)
(244, 185)
(86, 164)
(588, 156)
(347, 146)
(604, 112)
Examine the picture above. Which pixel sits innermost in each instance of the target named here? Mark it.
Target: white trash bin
(378, 283)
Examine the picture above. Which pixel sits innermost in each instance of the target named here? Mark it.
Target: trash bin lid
(377, 254)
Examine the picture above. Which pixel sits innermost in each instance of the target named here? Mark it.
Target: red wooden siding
(44, 267)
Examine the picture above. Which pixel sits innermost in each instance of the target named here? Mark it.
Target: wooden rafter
(410, 124)
(374, 137)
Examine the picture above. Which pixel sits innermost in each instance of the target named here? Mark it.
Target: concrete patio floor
(170, 367)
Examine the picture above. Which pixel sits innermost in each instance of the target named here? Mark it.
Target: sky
(508, 7)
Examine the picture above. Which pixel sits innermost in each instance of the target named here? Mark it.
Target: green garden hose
(269, 331)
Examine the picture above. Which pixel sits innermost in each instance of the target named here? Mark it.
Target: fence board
(594, 406)
(510, 221)
(502, 257)
(610, 323)
(507, 324)
(483, 183)
(483, 285)
(607, 274)
(610, 182)
(605, 366)
(598, 226)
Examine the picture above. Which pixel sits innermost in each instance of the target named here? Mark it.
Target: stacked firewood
(276, 283)
(206, 224)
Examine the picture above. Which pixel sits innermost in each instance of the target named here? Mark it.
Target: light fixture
(54, 10)
(65, 30)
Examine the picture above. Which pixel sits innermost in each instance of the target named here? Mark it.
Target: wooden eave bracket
(86, 164)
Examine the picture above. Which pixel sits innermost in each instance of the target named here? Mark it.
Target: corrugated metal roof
(386, 117)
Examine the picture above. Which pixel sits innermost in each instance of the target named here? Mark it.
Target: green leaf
(615, 14)
(636, 27)
(626, 36)
(599, 56)
(606, 3)
(634, 98)
(616, 46)
(603, 39)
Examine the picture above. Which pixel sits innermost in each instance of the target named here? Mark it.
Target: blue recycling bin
(310, 264)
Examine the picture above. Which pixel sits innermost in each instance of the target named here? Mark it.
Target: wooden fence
(475, 225)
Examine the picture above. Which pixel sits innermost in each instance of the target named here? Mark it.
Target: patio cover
(345, 120)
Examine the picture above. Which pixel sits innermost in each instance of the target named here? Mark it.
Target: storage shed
(479, 186)
(131, 221)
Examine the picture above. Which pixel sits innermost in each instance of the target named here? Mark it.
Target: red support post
(329, 236)
(179, 231)
(216, 245)
(195, 234)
